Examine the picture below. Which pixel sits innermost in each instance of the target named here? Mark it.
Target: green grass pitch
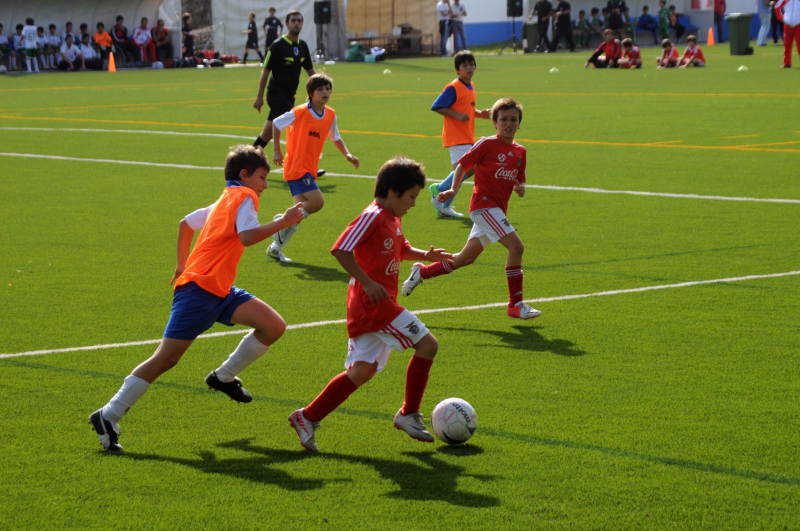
(665, 409)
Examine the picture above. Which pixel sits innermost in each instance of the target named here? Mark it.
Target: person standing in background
(457, 23)
(544, 10)
(775, 23)
(764, 8)
(252, 38)
(719, 17)
(188, 36)
(271, 25)
(444, 14)
(615, 22)
(563, 26)
(789, 13)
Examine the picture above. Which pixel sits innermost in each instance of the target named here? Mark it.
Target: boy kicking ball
(500, 170)
(370, 249)
(204, 291)
(457, 104)
(311, 124)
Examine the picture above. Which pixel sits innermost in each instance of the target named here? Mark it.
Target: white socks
(131, 391)
(290, 230)
(248, 351)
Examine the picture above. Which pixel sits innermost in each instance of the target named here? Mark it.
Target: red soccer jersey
(612, 50)
(669, 54)
(633, 54)
(691, 54)
(376, 239)
(498, 166)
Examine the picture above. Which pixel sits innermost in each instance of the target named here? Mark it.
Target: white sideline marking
(419, 312)
(132, 131)
(539, 186)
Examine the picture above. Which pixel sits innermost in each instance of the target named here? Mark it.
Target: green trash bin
(739, 32)
(530, 32)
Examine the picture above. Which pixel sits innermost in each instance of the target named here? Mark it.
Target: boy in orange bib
(205, 294)
(307, 126)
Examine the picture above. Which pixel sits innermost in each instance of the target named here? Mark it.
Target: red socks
(336, 392)
(434, 270)
(416, 381)
(514, 277)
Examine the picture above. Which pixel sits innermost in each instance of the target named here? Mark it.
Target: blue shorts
(304, 184)
(195, 310)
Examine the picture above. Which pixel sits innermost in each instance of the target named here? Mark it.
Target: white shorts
(456, 152)
(405, 331)
(490, 224)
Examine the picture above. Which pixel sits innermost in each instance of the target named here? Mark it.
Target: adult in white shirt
(90, 56)
(790, 11)
(143, 39)
(71, 57)
(444, 14)
(457, 24)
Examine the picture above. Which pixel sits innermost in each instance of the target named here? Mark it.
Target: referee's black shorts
(279, 104)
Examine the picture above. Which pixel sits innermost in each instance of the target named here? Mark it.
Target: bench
(683, 20)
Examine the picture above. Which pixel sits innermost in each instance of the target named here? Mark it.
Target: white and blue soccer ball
(2, 69)
(454, 420)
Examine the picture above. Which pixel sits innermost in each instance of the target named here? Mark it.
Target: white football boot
(522, 311)
(276, 254)
(413, 425)
(414, 280)
(305, 430)
(448, 212)
(107, 431)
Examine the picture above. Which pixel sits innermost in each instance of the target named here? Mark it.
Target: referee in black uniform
(285, 59)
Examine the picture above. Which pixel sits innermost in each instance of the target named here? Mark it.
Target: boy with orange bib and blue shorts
(205, 294)
(308, 126)
(370, 249)
(457, 104)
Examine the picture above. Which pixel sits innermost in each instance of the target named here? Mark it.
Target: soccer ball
(454, 420)
(2, 69)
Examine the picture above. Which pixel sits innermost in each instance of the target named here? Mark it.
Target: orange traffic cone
(710, 37)
(111, 66)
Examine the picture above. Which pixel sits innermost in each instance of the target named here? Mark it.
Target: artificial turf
(674, 408)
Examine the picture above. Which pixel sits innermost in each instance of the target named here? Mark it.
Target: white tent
(58, 12)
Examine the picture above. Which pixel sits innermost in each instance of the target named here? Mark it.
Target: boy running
(29, 41)
(370, 249)
(457, 104)
(669, 57)
(631, 56)
(693, 54)
(500, 164)
(309, 126)
(252, 39)
(204, 291)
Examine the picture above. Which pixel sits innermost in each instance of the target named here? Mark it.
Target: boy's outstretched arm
(349, 156)
(262, 85)
(185, 236)
(277, 154)
(292, 215)
(431, 255)
(451, 193)
(374, 291)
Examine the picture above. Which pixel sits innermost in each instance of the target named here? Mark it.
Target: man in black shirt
(188, 36)
(563, 26)
(544, 10)
(285, 59)
(271, 25)
(615, 22)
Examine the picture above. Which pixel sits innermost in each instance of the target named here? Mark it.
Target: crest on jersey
(388, 243)
(501, 157)
(296, 50)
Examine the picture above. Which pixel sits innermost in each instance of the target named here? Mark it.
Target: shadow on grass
(526, 338)
(313, 272)
(432, 479)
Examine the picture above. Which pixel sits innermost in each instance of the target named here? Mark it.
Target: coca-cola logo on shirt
(393, 268)
(502, 173)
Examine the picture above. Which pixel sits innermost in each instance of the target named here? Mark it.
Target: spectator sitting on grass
(631, 56)
(669, 57)
(119, 34)
(103, 42)
(90, 56)
(693, 54)
(71, 58)
(7, 49)
(607, 54)
(648, 22)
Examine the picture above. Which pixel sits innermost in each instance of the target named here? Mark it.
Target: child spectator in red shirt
(370, 249)
(631, 56)
(693, 54)
(669, 57)
(606, 55)
(500, 164)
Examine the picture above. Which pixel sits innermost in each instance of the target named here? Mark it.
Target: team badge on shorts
(413, 328)
(306, 181)
(505, 222)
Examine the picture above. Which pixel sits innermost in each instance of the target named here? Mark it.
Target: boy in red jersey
(669, 57)
(204, 291)
(693, 54)
(631, 57)
(457, 104)
(500, 164)
(370, 249)
(607, 54)
(309, 125)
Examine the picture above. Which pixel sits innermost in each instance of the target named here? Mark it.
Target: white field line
(130, 131)
(420, 312)
(539, 186)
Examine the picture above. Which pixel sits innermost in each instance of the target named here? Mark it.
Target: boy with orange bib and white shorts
(456, 104)
(308, 126)
(500, 170)
(205, 294)
(371, 249)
